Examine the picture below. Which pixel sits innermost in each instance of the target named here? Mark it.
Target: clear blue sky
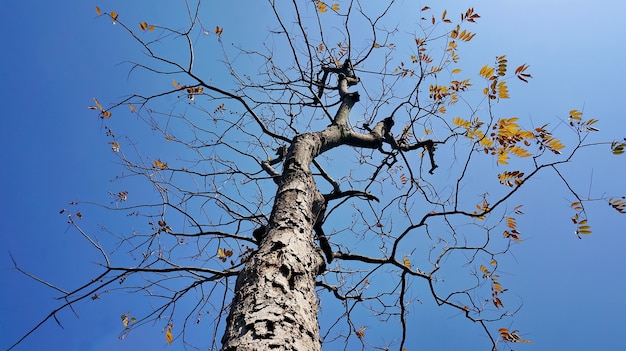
(57, 56)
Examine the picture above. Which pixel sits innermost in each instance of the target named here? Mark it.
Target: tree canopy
(418, 167)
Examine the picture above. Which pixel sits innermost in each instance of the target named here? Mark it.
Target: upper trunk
(275, 306)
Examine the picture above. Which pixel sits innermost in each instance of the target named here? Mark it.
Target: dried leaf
(159, 164)
(406, 262)
(168, 334)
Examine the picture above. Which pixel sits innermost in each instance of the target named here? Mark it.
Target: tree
(265, 156)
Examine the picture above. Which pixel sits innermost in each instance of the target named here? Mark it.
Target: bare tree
(325, 165)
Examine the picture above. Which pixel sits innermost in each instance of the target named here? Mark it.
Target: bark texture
(275, 307)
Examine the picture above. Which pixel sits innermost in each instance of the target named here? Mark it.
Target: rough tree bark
(275, 306)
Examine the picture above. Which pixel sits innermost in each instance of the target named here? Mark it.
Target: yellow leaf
(106, 114)
(97, 104)
(503, 91)
(322, 7)
(618, 205)
(132, 108)
(114, 16)
(151, 28)
(575, 115)
(124, 318)
(455, 71)
(461, 122)
(519, 152)
(487, 72)
(466, 36)
(218, 30)
(143, 26)
(503, 156)
(583, 229)
(406, 262)
(335, 7)
(159, 164)
(577, 206)
(168, 334)
(98, 11)
(485, 271)
(618, 148)
(455, 32)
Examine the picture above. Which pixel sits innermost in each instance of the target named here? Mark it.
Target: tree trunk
(275, 307)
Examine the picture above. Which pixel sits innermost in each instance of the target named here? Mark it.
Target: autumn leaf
(335, 7)
(223, 254)
(575, 115)
(618, 204)
(98, 105)
(520, 73)
(360, 333)
(501, 61)
(577, 206)
(406, 262)
(497, 303)
(115, 146)
(403, 178)
(126, 320)
(485, 271)
(159, 164)
(114, 16)
(144, 26)
(98, 11)
(512, 336)
(487, 72)
(103, 113)
(617, 148)
(122, 195)
(168, 334)
(218, 30)
(503, 90)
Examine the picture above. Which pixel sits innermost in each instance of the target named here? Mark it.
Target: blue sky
(58, 56)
